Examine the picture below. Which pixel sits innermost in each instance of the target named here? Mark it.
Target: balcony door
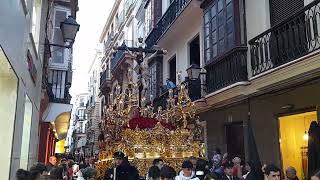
(172, 69)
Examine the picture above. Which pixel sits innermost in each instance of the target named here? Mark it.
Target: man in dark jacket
(227, 175)
(52, 163)
(122, 169)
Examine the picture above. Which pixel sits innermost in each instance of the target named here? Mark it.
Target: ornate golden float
(171, 134)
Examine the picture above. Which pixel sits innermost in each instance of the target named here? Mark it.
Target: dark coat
(49, 166)
(224, 177)
(123, 172)
(250, 176)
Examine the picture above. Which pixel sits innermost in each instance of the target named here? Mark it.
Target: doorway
(172, 70)
(194, 50)
(235, 140)
(294, 141)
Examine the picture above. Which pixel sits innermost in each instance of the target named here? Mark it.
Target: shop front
(53, 130)
(280, 122)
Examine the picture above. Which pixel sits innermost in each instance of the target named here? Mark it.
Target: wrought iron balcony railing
(227, 70)
(173, 11)
(58, 86)
(194, 91)
(292, 38)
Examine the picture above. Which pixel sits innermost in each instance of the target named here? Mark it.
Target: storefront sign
(31, 67)
(60, 147)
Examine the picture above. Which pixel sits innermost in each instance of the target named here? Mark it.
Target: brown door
(235, 140)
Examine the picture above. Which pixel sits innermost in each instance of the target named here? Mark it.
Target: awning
(59, 115)
(82, 142)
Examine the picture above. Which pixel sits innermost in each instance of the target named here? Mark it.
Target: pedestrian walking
(187, 172)
(122, 169)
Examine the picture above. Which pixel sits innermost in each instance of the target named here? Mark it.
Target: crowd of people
(219, 167)
(65, 169)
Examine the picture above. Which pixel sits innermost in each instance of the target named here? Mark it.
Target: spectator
(52, 163)
(153, 173)
(92, 162)
(158, 162)
(193, 160)
(22, 174)
(167, 173)
(37, 171)
(211, 176)
(272, 172)
(236, 166)
(228, 173)
(89, 173)
(291, 173)
(187, 172)
(202, 168)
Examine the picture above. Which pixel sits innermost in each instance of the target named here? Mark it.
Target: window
(141, 27)
(24, 154)
(58, 53)
(36, 20)
(148, 17)
(218, 29)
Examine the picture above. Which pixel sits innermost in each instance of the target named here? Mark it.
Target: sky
(92, 16)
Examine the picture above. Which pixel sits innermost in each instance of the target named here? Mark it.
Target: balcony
(58, 84)
(194, 92)
(120, 55)
(227, 70)
(292, 38)
(169, 17)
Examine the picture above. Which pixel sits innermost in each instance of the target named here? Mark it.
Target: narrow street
(160, 89)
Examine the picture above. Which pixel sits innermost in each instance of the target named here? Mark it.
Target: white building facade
(93, 108)
(24, 53)
(22, 24)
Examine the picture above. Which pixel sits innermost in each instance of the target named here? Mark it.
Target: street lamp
(194, 72)
(69, 28)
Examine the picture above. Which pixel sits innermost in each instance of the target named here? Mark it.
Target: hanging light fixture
(305, 135)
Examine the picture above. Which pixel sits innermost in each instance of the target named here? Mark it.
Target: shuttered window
(281, 10)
